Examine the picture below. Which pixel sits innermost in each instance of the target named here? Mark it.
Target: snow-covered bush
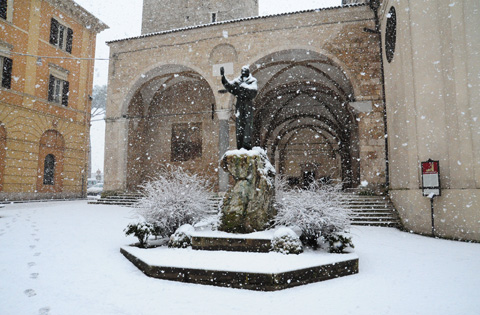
(141, 231)
(286, 241)
(182, 238)
(337, 243)
(317, 211)
(173, 198)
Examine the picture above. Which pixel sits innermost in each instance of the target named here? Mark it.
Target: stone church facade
(320, 111)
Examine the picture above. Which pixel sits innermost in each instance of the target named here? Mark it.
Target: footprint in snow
(44, 311)
(37, 254)
(31, 264)
(30, 292)
(37, 239)
(32, 246)
(34, 275)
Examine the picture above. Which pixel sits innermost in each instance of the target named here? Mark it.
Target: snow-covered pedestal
(236, 268)
(248, 205)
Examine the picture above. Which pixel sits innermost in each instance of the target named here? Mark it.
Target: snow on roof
(81, 14)
(237, 20)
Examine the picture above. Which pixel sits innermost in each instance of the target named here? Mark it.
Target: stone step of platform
(121, 199)
(373, 219)
(231, 244)
(363, 214)
(215, 203)
(251, 271)
(393, 224)
(371, 210)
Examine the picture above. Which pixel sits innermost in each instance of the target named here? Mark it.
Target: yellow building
(45, 101)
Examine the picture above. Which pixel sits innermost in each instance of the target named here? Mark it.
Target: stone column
(223, 144)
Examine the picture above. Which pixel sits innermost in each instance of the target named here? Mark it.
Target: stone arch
(305, 94)
(153, 72)
(223, 53)
(320, 161)
(51, 150)
(3, 154)
(171, 121)
(315, 51)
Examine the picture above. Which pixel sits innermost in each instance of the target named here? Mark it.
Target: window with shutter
(61, 36)
(6, 65)
(58, 90)
(3, 9)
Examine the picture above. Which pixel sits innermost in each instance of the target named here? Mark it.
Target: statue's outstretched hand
(222, 71)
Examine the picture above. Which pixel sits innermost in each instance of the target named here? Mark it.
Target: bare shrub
(173, 198)
(317, 211)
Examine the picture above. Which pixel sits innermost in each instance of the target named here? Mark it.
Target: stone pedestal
(248, 205)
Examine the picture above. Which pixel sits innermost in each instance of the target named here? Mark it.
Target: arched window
(50, 162)
(49, 170)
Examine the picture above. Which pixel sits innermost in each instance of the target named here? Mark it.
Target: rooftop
(237, 20)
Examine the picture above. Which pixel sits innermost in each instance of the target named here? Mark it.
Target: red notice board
(431, 178)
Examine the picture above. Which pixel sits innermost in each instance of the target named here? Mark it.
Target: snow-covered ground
(63, 258)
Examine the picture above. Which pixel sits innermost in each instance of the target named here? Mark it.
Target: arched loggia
(170, 121)
(303, 106)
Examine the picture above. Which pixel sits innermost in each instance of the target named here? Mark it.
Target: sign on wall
(431, 178)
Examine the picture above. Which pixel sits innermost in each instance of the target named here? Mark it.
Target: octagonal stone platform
(239, 269)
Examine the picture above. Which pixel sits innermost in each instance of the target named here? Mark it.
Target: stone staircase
(371, 210)
(215, 202)
(366, 210)
(122, 199)
(128, 199)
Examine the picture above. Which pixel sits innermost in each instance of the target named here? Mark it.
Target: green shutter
(65, 93)
(69, 40)
(3, 9)
(7, 72)
(51, 86)
(54, 32)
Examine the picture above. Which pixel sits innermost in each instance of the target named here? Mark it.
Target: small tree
(174, 198)
(317, 211)
(141, 231)
(99, 100)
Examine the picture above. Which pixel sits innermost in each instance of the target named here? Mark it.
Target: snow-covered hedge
(141, 231)
(317, 211)
(182, 238)
(286, 241)
(174, 198)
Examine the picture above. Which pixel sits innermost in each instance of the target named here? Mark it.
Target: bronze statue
(245, 89)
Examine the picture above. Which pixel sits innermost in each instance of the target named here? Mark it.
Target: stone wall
(432, 110)
(162, 15)
(334, 38)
